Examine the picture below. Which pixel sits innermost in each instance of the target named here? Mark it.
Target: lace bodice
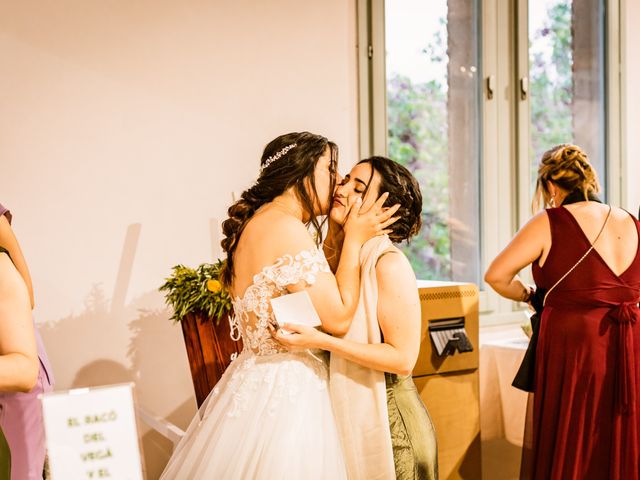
(252, 313)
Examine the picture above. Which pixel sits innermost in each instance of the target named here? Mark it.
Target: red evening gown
(586, 416)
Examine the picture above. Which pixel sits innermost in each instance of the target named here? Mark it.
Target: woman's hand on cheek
(375, 221)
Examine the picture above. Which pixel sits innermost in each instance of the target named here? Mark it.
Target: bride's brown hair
(287, 161)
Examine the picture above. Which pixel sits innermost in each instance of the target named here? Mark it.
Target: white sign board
(92, 434)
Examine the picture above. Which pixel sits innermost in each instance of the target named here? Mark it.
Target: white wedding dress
(269, 416)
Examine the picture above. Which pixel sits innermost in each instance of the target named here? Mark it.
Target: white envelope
(295, 308)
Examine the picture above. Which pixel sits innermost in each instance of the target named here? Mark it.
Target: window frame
(505, 173)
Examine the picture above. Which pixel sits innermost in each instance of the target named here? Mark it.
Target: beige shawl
(359, 394)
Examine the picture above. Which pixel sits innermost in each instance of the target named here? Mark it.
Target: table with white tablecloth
(502, 407)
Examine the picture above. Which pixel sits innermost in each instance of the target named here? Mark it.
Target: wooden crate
(209, 349)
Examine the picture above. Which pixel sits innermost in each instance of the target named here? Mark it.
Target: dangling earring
(553, 201)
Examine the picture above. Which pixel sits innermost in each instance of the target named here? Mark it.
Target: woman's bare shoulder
(274, 234)
(278, 225)
(394, 266)
(539, 219)
(11, 282)
(537, 225)
(588, 212)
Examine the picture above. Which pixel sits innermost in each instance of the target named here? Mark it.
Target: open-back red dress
(586, 416)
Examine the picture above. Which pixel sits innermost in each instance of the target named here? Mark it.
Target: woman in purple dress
(20, 412)
(18, 357)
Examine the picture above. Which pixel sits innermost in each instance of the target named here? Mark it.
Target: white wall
(631, 100)
(142, 117)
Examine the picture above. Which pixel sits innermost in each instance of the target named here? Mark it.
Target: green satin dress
(415, 451)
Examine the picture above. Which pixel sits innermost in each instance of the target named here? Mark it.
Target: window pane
(566, 76)
(433, 120)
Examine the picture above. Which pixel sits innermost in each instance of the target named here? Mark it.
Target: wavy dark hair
(404, 189)
(295, 168)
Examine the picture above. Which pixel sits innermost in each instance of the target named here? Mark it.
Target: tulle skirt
(269, 417)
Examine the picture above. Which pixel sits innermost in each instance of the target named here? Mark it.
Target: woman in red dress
(586, 418)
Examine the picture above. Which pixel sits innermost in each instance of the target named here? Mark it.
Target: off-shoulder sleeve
(292, 269)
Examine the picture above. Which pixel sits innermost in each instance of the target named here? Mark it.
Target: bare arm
(527, 246)
(18, 355)
(332, 245)
(335, 297)
(9, 241)
(398, 316)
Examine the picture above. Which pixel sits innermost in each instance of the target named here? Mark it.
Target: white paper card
(91, 433)
(295, 308)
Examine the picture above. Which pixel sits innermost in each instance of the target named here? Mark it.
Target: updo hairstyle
(568, 167)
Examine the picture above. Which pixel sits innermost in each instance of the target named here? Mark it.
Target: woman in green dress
(385, 428)
(18, 356)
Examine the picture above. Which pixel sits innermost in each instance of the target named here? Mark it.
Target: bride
(270, 416)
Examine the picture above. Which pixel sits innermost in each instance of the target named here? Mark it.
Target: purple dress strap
(5, 211)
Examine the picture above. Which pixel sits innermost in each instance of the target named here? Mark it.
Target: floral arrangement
(197, 291)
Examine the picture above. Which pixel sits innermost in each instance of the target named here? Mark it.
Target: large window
(433, 125)
(468, 94)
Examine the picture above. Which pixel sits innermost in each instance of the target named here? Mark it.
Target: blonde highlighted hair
(568, 167)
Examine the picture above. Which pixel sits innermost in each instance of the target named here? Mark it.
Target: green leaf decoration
(197, 291)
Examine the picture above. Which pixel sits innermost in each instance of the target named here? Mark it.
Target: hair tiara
(278, 155)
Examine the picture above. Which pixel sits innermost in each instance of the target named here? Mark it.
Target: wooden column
(463, 142)
(588, 79)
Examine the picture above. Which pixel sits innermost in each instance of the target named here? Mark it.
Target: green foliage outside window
(551, 82)
(417, 119)
(417, 139)
(417, 116)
